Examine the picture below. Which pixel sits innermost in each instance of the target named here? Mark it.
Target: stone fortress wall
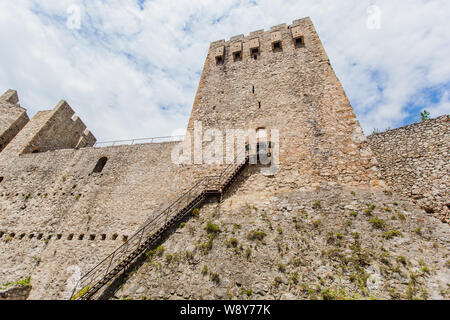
(57, 215)
(414, 161)
(60, 214)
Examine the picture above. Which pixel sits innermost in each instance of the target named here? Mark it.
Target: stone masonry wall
(414, 160)
(327, 243)
(13, 117)
(58, 219)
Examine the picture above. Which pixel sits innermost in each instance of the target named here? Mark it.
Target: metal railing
(114, 263)
(131, 142)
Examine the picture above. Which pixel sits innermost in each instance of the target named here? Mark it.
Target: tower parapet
(261, 43)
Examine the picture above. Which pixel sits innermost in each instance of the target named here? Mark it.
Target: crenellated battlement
(50, 130)
(252, 34)
(13, 117)
(10, 97)
(260, 42)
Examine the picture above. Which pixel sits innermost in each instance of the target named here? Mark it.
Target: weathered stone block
(236, 47)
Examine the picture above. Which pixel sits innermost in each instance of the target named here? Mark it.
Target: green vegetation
(294, 277)
(155, 252)
(370, 209)
(378, 223)
(81, 293)
(317, 204)
(425, 115)
(392, 234)
(297, 224)
(23, 282)
(215, 277)
(282, 267)
(297, 262)
(249, 292)
(248, 253)
(37, 259)
(196, 212)
(207, 246)
(256, 235)
(426, 270)
(277, 281)
(402, 260)
(212, 228)
(233, 242)
(189, 255)
(330, 294)
(205, 270)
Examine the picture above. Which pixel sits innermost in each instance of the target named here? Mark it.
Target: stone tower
(282, 79)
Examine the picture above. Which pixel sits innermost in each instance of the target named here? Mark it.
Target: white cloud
(125, 64)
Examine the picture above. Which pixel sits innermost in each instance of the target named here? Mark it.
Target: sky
(130, 68)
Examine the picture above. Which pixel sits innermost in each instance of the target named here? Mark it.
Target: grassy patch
(23, 282)
(377, 223)
(196, 212)
(256, 235)
(233, 242)
(212, 228)
(155, 252)
(392, 234)
(215, 277)
(317, 204)
(81, 293)
(205, 270)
